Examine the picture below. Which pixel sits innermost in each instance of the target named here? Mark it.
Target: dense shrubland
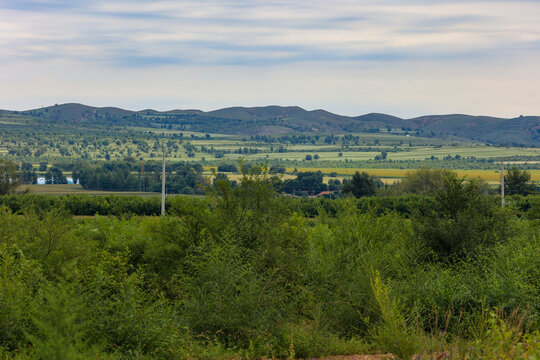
(245, 273)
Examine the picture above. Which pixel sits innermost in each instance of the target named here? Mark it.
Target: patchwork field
(385, 153)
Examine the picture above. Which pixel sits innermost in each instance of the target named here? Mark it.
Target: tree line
(186, 178)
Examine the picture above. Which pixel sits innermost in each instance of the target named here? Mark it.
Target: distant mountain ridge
(272, 120)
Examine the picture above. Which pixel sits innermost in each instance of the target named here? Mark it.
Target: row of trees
(182, 178)
(429, 181)
(422, 181)
(187, 178)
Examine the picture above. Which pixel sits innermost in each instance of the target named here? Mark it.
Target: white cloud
(350, 47)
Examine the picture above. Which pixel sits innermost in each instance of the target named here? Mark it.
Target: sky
(406, 58)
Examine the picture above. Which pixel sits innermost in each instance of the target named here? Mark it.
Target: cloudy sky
(352, 57)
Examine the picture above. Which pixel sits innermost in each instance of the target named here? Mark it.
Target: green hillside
(275, 120)
(522, 130)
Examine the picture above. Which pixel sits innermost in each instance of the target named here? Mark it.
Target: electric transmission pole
(163, 185)
(141, 179)
(502, 184)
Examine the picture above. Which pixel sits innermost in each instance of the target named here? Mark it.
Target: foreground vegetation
(247, 273)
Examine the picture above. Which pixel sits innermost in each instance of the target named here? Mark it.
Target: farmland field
(386, 153)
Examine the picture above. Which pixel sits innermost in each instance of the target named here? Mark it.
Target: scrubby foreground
(240, 274)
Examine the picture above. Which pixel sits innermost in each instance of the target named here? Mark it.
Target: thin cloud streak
(252, 30)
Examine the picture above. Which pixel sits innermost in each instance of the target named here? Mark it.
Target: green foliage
(518, 182)
(361, 184)
(61, 331)
(55, 176)
(9, 179)
(306, 183)
(84, 205)
(424, 181)
(182, 178)
(393, 333)
(462, 220)
(244, 273)
(506, 342)
(21, 282)
(28, 174)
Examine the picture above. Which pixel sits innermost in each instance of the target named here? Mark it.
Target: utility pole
(163, 185)
(141, 179)
(502, 184)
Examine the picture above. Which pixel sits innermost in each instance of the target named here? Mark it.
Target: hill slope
(271, 120)
(521, 130)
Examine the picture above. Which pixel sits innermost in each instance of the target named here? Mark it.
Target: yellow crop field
(488, 175)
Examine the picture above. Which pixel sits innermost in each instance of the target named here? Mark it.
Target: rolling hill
(272, 120)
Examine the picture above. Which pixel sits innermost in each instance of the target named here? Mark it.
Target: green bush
(462, 220)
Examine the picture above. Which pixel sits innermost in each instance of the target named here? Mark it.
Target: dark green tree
(306, 183)
(361, 184)
(28, 174)
(55, 176)
(462, 220)
(518, 182)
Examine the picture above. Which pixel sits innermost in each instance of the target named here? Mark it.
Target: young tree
(362, 184)
(9, 179)
(518, 182)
